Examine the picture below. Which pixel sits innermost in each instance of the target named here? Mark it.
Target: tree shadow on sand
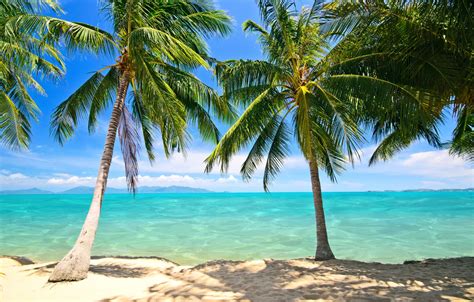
(303, 279)
(118, 271)
(114, 270)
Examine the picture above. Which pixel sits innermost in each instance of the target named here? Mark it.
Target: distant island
(90, 190)
(429, 190)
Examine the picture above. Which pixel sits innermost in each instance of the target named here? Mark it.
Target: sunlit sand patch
(154, 279)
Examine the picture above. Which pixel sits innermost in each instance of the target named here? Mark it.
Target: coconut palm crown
(157, 43)
(300, 95)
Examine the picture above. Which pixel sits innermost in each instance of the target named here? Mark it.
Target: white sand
(118, 279)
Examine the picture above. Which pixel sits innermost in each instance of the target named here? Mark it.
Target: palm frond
(143, 120)
(161, 42)
(279, 149)
(163, 109)
(462, 143)
(76, 35)
(66, 116)
(130, 145)
(23, 100)
(343, 124)
(260, 146)
(248, 126)
(14, 126)
(239, 76)
(103, 96)
(252, 26)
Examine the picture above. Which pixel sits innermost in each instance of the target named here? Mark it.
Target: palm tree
(158, 42)
(22, 56)
(423, 44)
(300, 90)
(27, 51)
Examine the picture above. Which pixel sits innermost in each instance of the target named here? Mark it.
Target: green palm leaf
(103, 96)
(24, 55)
(14, 126)
(279, 149)
(67, 115)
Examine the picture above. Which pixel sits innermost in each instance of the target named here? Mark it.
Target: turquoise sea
(193, 228)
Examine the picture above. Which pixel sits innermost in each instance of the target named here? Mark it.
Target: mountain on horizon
(90, 190)
(26, 191)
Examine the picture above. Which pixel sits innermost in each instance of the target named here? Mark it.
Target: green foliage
(160, 43)
(27, 51)
(319, 93)
(22, 57)
(463, 139)
(416, 43)
(67, 115)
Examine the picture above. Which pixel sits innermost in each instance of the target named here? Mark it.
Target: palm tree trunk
(75, 265)
(323, 250)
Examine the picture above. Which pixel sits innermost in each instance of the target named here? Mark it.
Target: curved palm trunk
(75, 265)
(323, 250)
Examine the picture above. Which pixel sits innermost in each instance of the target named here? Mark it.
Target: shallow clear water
(193, 228)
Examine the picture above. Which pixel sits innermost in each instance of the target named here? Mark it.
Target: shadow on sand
(303, 279)
(106, 269)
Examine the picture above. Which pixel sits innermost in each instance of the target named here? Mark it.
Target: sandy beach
(155, 279)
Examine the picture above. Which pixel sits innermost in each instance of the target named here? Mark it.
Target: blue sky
(49, 166)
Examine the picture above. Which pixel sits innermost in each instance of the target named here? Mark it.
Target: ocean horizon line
(197, 190)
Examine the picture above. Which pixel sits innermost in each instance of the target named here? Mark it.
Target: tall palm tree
(158, 42)
(22, 57)
(424, 44)
(301, 90)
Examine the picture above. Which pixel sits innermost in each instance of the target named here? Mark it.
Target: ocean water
(193, 228)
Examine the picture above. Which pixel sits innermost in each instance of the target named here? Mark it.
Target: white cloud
(193, 162)
(72, 180)
(229, 179)
(63, 181)
(434, 164)
(428, 169)
(439, 164)
(210, 183)
(8, 179)
(411, 170)
(17, 176)
(12, 181)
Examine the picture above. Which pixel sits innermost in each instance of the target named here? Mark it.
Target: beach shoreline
(158, 279)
